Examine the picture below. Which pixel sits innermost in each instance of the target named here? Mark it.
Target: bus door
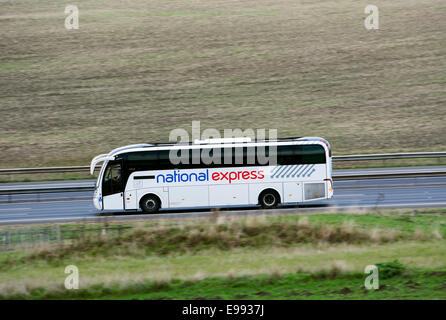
(112, 187)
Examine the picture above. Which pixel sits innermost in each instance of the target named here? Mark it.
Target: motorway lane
(422, 192)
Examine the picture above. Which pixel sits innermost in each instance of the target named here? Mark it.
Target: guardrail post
(27, 240)
(7, 239)
(22, 239)
(379, 199)
(57, 233)
(119, 229)
(47, 234)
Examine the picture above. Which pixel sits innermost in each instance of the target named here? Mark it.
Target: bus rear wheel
(269, 199)
(150, 203)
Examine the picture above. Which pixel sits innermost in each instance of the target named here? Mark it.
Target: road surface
(350, 195)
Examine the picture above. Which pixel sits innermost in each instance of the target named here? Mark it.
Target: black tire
(150, 203)
(269, 199)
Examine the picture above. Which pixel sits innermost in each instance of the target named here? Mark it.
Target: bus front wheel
(150, 203)
(269, 199)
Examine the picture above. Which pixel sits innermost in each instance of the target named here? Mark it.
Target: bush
(390, 269)
(202, 236)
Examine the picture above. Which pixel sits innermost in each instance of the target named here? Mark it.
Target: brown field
(137, 69)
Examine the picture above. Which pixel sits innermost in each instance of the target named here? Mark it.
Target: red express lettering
(237, 175)
(224, 175)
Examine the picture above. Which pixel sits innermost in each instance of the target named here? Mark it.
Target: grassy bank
(315, 256)
(418, 284)
(133, 72)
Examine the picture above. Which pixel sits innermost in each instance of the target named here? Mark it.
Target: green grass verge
(415, 285)
(315, 256)
(410, 284)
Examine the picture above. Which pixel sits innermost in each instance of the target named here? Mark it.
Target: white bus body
(212, 186)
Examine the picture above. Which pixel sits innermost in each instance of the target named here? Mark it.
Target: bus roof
(220, 143)
(209, 144)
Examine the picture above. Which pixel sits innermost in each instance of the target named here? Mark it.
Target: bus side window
(211, 157)
(164, 160)
(142, 161)
(286, 155)
(312, 154)
(238, 158)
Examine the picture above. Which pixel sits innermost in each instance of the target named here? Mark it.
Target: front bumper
(97, 200)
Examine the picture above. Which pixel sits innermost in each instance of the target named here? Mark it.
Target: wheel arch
(266, 189)
(150, 193)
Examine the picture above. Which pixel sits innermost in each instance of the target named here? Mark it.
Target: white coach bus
(144, 177)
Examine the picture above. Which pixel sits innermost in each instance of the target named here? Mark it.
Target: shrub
(390, 269)
(196, 237)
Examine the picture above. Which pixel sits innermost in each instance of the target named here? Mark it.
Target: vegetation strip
(184, 259)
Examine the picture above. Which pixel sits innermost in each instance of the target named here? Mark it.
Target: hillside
(136, 70)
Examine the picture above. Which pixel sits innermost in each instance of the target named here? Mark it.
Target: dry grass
(232, 247)
(146, 67)
(326, 261)
(190, 238)
(436, 233)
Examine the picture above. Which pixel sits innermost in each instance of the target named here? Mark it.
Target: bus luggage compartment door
(292, 192)
(183, 197)
(227, 195)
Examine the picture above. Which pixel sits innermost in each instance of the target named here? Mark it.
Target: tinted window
(312, 154)
(287, 155)
(224, 157)
(164, 160)
(300, 154)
